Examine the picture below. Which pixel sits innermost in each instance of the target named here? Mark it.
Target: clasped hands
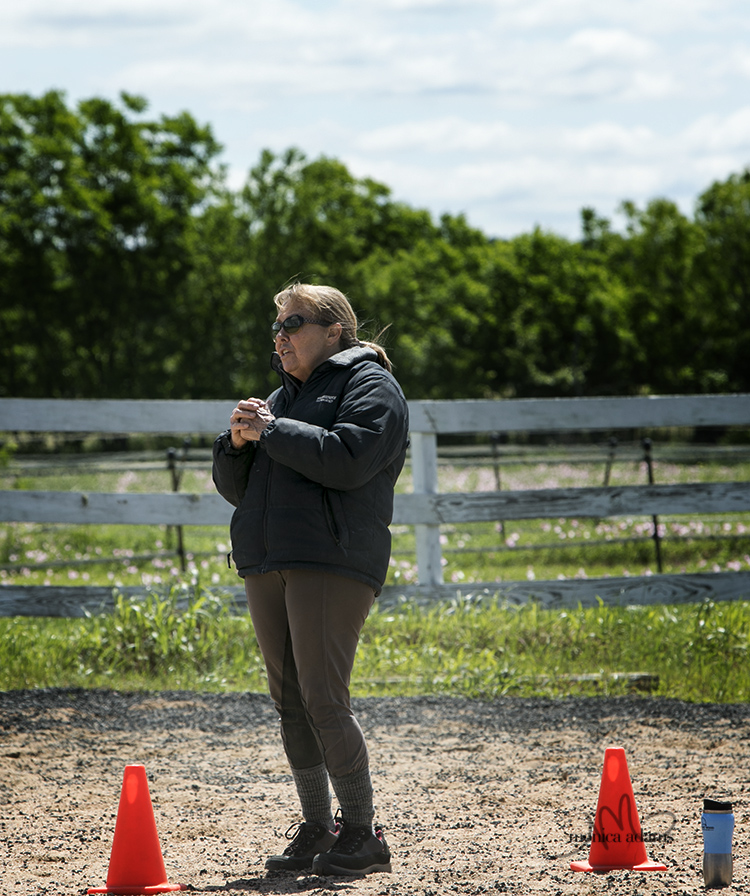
(248, 421)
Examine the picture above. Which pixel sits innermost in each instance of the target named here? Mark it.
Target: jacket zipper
(332, 527)
(264, 567)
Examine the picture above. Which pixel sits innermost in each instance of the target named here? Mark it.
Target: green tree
(311, 221)
(433, 296)
(209, 322)
(561, 317)
(97, 233)
(656, 263)
(129, 269)
(722, 271)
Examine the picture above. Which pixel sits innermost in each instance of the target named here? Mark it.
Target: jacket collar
(346, 358)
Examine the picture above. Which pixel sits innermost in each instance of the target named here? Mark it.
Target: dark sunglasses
(293, 324)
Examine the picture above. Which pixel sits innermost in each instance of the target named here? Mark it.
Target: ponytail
(383, 358)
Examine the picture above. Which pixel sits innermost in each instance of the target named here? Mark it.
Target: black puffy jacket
(316, 492)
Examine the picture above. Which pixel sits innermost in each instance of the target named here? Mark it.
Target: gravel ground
(474, 797)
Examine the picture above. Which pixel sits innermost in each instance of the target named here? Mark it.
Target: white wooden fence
(425, 508)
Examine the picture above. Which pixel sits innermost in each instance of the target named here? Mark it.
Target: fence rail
(426, 508)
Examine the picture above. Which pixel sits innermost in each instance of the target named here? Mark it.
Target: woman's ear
(334, 332)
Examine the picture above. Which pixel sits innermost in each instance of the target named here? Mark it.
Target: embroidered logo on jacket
(327, 398)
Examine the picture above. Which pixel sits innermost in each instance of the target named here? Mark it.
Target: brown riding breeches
(307, 624)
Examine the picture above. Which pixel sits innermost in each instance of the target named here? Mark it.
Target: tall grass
(696, 652)
(470, 648)
(153, 642)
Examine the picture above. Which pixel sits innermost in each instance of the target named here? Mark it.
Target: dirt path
(475, 797)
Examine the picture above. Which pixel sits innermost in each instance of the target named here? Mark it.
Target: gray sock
(314, 794)
(354, 794)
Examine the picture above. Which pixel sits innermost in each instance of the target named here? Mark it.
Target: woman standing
(311, 472)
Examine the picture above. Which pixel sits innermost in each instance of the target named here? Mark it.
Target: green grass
(153, 642)
(484, 649)
(469, 648)
(472, 648)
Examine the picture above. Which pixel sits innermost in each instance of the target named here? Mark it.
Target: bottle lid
(716, 806)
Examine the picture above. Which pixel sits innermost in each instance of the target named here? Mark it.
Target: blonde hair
(331, 306)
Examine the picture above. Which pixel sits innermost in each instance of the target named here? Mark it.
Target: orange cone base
(604, 869)
(135, 891)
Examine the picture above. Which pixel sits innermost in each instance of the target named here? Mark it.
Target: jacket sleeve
(231, 468)
(370, 432)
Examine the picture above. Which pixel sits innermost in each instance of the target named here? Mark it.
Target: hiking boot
(357, 851)
(308, 839)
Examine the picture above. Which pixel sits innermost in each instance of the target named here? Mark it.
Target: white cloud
(80, 23)
(664, 16)
(447, 135)
(536, 189)
(516, 111)
(451, 135)
(546, 174)
(610, 138)
(154, 23)
(714, 133)
(612, 45)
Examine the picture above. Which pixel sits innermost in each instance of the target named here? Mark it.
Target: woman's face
(303, 351)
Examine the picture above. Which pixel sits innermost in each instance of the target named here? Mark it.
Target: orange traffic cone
(617, 838)
(136, 864)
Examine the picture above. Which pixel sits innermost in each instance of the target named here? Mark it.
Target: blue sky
(517, 113)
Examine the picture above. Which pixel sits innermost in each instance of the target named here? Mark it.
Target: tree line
(129, 269)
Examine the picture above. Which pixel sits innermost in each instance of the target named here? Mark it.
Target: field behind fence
(492, 512)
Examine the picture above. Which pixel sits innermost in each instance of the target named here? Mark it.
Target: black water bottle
(717, 822)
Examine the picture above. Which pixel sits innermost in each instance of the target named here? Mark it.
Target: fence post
(655, 519)
(176, 478)
(495, 439)
(610, 459)
(425, 478)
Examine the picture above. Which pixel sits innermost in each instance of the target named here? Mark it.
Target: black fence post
(176, 479)
(495, 439)
(610, 459)
(650, 468)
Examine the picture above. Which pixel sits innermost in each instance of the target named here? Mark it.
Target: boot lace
(303, 837)
(352, 839)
